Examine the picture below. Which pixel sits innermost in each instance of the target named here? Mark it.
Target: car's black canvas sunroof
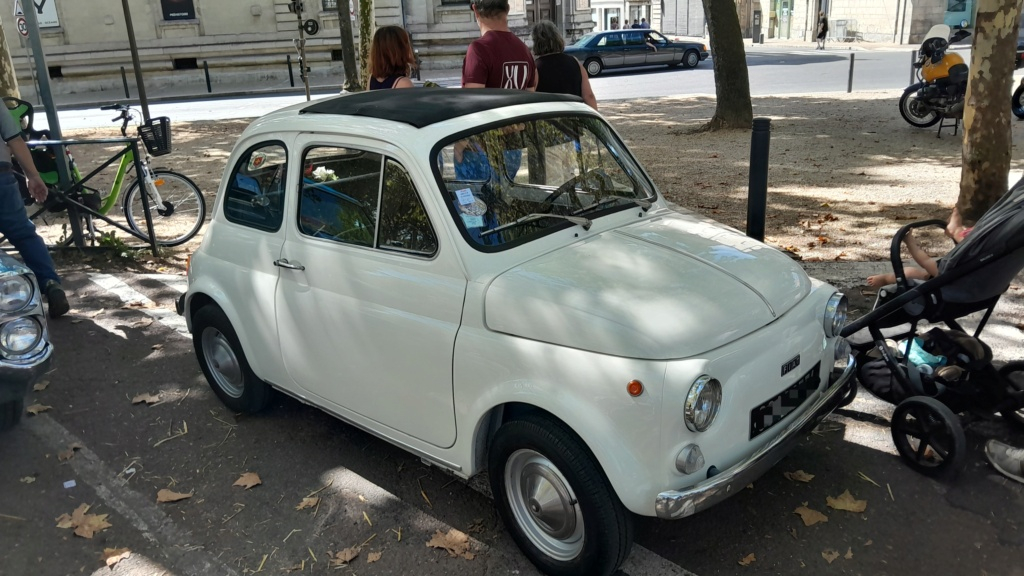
(421, 107)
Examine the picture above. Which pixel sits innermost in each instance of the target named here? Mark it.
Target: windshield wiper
(584, 222)
(641, 202)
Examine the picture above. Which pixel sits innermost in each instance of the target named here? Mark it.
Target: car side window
(613, 40)
(338, 197)
(254, 195)
(404, 225)
(655, 38)
(634, 38)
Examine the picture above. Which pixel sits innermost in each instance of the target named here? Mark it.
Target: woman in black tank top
(559, 73)
(391, 58)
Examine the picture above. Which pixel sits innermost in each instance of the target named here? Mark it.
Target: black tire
(1013, 373)
(1017, 104)
(940, 444)
(10, 413)
(910, 110)
(224, 363)
(691, 58)
(594, 67)
(180, 216)
(850, 394)
(594, 532)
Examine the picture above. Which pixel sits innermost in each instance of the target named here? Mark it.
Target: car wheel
(1017, 104)
(691, 59)
(10, 413)
(594, 67)
(555, 500)
(928, 436)
(224, 364)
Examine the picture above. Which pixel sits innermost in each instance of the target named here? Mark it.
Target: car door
(611, 49)
(664, 53)
(368, 306)
(635, 53)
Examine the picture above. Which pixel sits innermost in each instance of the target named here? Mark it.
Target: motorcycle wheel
(1017, 104)
(911, 110)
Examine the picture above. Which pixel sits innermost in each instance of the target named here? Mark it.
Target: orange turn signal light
(635, 388)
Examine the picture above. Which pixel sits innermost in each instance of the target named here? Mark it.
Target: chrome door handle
(284, 263)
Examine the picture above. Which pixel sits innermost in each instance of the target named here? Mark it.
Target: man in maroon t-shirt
(498, 59)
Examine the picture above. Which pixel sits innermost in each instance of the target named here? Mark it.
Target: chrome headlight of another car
(16, 293)
(702, 403)
(842, 355)
(21, 336)
(835, 315)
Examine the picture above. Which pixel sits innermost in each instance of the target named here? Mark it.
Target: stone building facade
(86, 41)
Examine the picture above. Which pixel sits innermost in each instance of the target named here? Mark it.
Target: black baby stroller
(937, 376)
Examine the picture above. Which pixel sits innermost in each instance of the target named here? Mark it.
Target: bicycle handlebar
(114, 107)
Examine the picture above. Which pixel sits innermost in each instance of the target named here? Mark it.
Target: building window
(453, 2)
(329, 4)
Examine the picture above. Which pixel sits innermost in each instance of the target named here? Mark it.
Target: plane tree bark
(365, 35)
(348, 48)
(732, 84)
(987, 136)
(8, 77)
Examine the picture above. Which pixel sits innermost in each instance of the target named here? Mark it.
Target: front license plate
(772, 412)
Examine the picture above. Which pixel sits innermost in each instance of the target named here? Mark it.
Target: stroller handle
(894, 249)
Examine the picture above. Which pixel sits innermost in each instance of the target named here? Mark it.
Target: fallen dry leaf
(27, 479)
(147, 398)
(248, 480)
(308, 503)
(373, 557)
(37, 408)
(810, 517)
(849, 554)
(41, 385)
(846, 501)
(829, 555)
(455, 542)
(85, 525)
(70, 452)
(344, 557)
(114, 555)
(799, 476)
(166, 495)
(746, 560)
(157, 346)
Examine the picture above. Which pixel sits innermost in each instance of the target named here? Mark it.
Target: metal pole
(144, 195)
(757, 198)
(913, 60)
(302, 54)
(124, 81)
(291, 75)
(896, 22)
(46, 99)
(849, 83)
(206, 70)
(143, 103)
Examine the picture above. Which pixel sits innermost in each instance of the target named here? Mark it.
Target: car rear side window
(254, 195)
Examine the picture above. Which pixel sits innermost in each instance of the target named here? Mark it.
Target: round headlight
(835, 315)
(20, 336)
(15, 293)
(702, 403)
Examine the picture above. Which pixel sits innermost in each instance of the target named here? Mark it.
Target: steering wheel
(570, 187)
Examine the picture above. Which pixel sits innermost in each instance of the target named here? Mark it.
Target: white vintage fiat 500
(506, 274)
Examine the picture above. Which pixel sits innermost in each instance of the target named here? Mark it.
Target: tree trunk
(348, 48)
(8, 77)
(987, 136)
(365, 35)
(732, 85)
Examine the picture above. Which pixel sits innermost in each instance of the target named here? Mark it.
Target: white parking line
(641, 562)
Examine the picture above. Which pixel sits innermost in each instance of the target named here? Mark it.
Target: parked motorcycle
(1017, 103)
(942, 80)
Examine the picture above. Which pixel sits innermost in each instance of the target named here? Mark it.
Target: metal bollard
(849, 83)
(291, 75)
(757, 197)
(206, 70)
(124, 82)
(913, 60)
(419, 62)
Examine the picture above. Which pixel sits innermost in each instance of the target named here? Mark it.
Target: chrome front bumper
(675, 504)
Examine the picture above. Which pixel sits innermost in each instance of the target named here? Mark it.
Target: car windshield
(584, 40)
(516, 182)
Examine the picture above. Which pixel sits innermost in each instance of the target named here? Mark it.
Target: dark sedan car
(634, 47)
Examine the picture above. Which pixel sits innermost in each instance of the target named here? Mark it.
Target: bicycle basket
(156, 135)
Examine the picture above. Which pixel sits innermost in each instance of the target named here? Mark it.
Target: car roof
(420, 107)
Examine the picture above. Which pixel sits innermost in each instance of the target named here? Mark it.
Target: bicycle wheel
(177, 219)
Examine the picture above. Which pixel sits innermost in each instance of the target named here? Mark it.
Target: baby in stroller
(938, 375)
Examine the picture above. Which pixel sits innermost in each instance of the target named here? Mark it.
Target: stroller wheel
(850, 394)
(1013, 373)
(928, 436)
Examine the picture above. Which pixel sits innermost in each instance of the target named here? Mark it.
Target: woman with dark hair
(559, 73)
(391, 58)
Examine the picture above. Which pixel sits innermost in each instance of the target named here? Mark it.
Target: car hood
(672, 286)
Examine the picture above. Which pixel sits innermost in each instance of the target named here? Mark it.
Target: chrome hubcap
(544, 505)
(222, 362)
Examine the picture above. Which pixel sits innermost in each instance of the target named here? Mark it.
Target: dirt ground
(845, 170)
